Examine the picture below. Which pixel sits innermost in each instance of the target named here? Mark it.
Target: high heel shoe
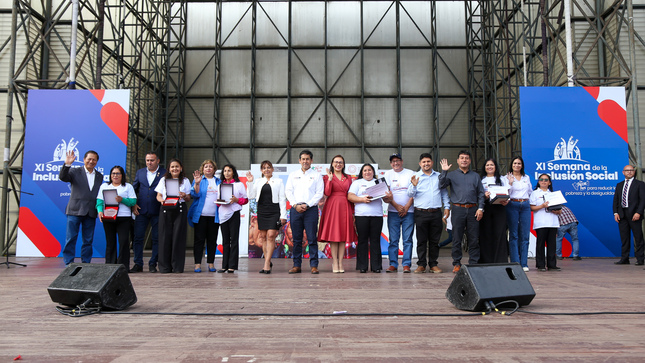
(198, 269)
(211, 269)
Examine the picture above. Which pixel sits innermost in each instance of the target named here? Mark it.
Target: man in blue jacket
(146, 211)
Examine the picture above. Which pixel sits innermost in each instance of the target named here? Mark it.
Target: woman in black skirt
(493, 244)
(272, 209)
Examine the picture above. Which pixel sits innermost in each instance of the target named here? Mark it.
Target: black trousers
(118, 228)
(627, 227)
(545, 236)
(493, 241)
(369, 239)
(231, 242)
(205, 231)
(173, 224)
(464, 219)
(429, 227)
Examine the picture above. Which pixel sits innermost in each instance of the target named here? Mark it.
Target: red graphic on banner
(614, 116)
(98, 93)
(38, 234)
(116, 118)
(593, 91)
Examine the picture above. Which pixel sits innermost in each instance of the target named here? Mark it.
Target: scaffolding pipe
(634, 84)
(72, 50)
(4, 221)
(567, 26)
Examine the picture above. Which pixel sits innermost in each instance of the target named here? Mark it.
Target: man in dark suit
(146, 211)
(81, 208)
(629, 203)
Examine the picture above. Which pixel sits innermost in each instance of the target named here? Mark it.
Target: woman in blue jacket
(202, 215)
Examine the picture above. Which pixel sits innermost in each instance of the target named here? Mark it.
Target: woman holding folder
(113, 204)
(545, 224)
(368, 214)
(173, 191)
(229, 217)
(493, 244)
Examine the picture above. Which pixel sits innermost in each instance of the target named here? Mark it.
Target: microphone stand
(6, 251)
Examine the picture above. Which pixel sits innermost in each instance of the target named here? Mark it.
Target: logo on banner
(567, 164)
(48, 171)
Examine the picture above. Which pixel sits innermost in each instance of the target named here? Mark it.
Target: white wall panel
(271, 122)
(383, 33)
(308, 72)
(380, 72)
(455, 59)
(198, 128)
(349, 110)
(235, 126)
(416, 71)
(451, 23)
(272, 24)
(313, 133)
(339, 61)
(415, 23)
(234, 34)
(271, 75)
(200, 72)
(380, 121)
(344, 24)
(235, 76)
(307, 21)
(200, 26)
(417, 126)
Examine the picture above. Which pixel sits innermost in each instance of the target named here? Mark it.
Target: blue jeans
(69, 251)
(518, 216)
(300, 222)
(394, 224)
(140, 227)
(572, 229)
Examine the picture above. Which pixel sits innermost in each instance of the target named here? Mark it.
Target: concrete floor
(33, 329)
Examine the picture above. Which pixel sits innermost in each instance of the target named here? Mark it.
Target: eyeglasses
(339, 162)
(543, 179)
(116, 173)
(629, 170)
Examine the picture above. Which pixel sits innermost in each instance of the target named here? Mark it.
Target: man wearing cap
(400, 216)
(467, 197)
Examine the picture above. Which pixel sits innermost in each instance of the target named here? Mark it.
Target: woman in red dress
(337, 219)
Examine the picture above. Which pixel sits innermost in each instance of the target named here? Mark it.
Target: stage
(33, 329)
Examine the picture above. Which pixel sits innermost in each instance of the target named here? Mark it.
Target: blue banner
(579, 137)
(59, 121)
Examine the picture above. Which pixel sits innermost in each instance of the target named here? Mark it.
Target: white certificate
(377, 191)
(109, 197)
(554, 198)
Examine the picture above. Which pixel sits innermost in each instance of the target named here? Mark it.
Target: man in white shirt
(400, 216)
(303, 191)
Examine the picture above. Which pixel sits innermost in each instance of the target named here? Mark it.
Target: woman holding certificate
(493, 244)
(272, 209)
(337, 218)
(545, 224)
(173, 191)
(113, 204)
(518, 213)
(368, 214)
(202, 215)
(231, 199)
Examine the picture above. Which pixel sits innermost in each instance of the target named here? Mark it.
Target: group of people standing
(418, 199)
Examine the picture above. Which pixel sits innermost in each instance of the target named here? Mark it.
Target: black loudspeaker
(473, 285)
(107, 286)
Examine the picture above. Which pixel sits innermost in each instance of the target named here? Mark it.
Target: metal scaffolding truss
(514, 43)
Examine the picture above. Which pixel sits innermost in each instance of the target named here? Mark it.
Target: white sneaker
(526, 269)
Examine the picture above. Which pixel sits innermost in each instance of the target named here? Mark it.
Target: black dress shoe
(221, 271)
(136, 268)
(152, 268)
(542, 269)
(363, 271)
(639, 263)
(622, 262)
(555, 269)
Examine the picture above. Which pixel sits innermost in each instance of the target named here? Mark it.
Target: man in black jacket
(629, 202)
(81, 209)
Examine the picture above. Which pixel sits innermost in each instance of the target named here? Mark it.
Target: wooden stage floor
(33, 329)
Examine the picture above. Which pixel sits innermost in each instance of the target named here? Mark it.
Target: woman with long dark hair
(229, 219)
(268, 191)
(545, 224)
(118, 226)
(518, 213)
(337, 218)
(202, 215)
(493, 245)
(368, 216)
(173, 219)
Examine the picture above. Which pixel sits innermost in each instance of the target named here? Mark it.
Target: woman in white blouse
(173, 220)
(493, 245)
(369, 221)
(545, 224)
(272, 209)
(229, 219)
(119, 226)
(518, 213)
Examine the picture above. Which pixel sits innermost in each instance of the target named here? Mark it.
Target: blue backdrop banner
(59, 121)
(578, 136)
